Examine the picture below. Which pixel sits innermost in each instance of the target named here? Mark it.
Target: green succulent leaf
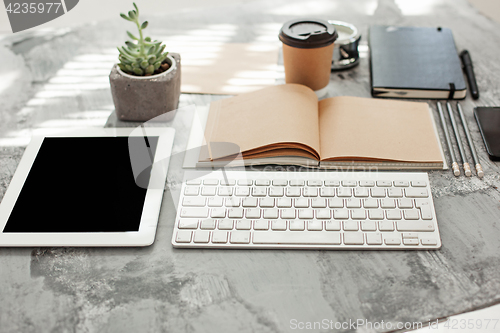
(138, 71)
(150, 69)
(144, 25)
(144, 64)
(125, 17)
(122, 67)
(152, 59)
(132, 36)
(136, 65)
(131, 45)
(136, 9)
(129, 68)
(147, 39)
(133, 15)
(157, 65)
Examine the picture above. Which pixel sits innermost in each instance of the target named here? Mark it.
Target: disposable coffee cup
(307, 52)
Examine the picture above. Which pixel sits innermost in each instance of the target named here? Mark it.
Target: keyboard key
(284, 203)
(193, 182)
(183, 236)
(280, 182)
(293, 192)
(262, 182)
(194, 212)
(366, 183)
(229, 182)
(306, 214)
(242, 191)
(392, 240)
(301, 203)
(410, 235)
(336, 203)
(296, 182)
(250, 202)
(225, 191)
(219, 236)
(310, 192)
(369, 226)
(210, 182)
(261, 225)
(332, 183)
(370, 203)
(344, 192)
(245, 182)
(418, 183)
(416, 192)
(270, 214)
(208, 191)
(340, 214)
(393, 214)
(188, 223)
(410, 214)
(375, 214)
(374, 238)
(288, 214)
(226, 224)
(350, 183)
(194, 201)
(232, 202)
(314, 182)
(387, 203)
(351, 226)
(410, 241)
(401, 183)
(240, 237)
(358, 214)
(327, 192)
(191, 190)
(353, 238)
(361, 192)
(296, 225)
(276, 192)
(267, 202)
(414, 226)
(314, 225)
(428, 241)
(278, 225)
(426, 212)
(353, 203)
(215, 202)
(201, 236)
(323, 214)
(386, 226)
(332, 225)
(384, 183)
(318, 203)
(259, 191)
(218, 212)
(296, 238)
(208, 224)
(252, 213)
(377, 192)
(394, 192)
(405, 203)
(235, 213)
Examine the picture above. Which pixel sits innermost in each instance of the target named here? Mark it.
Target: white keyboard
(307, 210)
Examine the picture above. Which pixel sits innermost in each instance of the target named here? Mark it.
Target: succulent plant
(141, 55)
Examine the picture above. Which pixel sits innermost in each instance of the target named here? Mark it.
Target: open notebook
(286, 125)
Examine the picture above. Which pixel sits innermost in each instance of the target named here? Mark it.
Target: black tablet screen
(80, 185)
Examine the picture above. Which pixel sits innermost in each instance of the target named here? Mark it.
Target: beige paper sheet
(354, 127)
(285, 114)
(227, 68)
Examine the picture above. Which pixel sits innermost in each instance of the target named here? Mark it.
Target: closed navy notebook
(415, 62)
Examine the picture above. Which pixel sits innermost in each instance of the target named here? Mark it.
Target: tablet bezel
(152, 202)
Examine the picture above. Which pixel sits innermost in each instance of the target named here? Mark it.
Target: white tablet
(93, 187)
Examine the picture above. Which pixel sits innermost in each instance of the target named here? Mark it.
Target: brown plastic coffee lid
(308, 33)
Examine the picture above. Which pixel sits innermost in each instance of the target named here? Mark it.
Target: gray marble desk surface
(161, 289)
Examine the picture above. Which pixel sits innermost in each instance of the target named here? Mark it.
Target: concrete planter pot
(141, 98)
